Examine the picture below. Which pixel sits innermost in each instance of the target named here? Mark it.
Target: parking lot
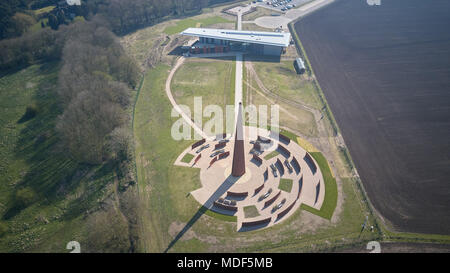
(280, 5)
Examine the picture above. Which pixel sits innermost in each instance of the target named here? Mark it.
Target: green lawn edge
(330, 201)
(223, 217)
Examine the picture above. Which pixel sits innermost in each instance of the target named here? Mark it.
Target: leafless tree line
(94, 86)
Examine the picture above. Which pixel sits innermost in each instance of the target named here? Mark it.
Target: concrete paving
(238, 83)
(217, 182)
(290, 15)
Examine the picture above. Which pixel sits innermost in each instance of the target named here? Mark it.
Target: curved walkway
(177, 108)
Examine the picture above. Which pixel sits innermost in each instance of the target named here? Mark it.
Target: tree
(118, 145)
(53, 21)
(22, 22)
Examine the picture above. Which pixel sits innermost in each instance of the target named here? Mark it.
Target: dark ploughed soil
(401, 248)
(385, 71)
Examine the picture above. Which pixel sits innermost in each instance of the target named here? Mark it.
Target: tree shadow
(50, 172)
(221, 190)
(28, 115)
(12, 211)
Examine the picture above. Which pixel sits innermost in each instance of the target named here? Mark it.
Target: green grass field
(286, 185)
(43, 10)
(212, 80)
(187, 23)
(289, 116)
(38, 26)
(251, 212)
(271, 155)
(282, 79)
(330, 201)
(60, 190)
(187, 158)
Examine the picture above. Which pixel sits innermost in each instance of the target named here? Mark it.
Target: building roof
(256, 37)
(300, 63)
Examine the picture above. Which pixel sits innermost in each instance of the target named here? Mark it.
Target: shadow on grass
(12, 211)
(221, 190)
(180, 50)
(49, 172)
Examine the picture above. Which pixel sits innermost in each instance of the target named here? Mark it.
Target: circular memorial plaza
(278, 176)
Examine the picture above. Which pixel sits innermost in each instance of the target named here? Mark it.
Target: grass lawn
(306, 145)
(289, 116)
(187, 158)
(187, 23)
(43, 10)
(285, 185)
(212, 80)
(251, 212)
(282, 79)
(38, 25)
(164, 187)
(220, 216)
(330, 201)
(271, 155)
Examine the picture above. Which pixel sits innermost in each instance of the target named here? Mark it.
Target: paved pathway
(239, 20)
(238, 82)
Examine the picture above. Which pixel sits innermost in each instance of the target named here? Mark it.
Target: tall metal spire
(239, 154)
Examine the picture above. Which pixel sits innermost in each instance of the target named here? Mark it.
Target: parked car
(202, 148)
(217, 153)
(288, 166)
(276, 207)
(274, 170)
(264, 196)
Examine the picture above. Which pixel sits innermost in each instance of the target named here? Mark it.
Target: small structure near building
(299, 66)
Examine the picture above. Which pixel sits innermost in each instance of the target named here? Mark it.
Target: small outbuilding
(299, 66)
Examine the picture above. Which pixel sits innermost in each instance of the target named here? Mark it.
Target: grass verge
(330, 200)
(271, 155)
